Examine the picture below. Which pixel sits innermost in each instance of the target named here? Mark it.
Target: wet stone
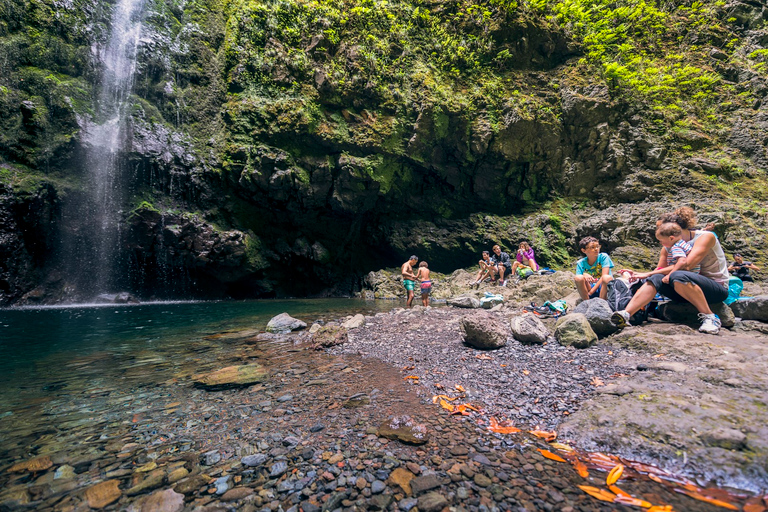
(277, 469)
(192, 484)
(102, 494)
(238, 493)
(422, 484)
(163, 501)
(481, 480)
(406, 504)
(152, 481)
(231, 377)
(222, 484)
(177, 474)
(377, 486)
(380, 502)
(403, 428)
(432, 502)
(211, 458)
(257, 459)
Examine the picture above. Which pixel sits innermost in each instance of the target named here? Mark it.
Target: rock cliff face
(282, 149)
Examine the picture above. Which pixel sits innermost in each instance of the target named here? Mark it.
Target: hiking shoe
(710, 324)
(620, 319)
(504, 283)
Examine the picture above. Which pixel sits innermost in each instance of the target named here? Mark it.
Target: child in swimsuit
(426, 284)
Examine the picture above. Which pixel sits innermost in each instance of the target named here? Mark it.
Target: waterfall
(96, 252)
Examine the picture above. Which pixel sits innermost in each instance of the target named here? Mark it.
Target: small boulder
(464, 301)
(328, 336)
(755, 308)
(354, 322)
(529, 329)
(167, 500)
(727, 438)
(404, 429)
(685, 313)
(284, 323)
(598, 313)
(231, 377)
(103, 493)
(484, 331)
(574, 330)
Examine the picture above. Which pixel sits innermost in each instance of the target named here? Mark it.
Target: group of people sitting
(692, 268)
(500, 267)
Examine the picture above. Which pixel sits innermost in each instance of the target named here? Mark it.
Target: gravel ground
(532, 385)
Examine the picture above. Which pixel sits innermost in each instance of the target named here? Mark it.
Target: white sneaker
(620, 319)
(710, 324)
(504, 283)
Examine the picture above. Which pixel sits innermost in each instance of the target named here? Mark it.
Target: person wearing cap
(740, 268)
(409, 278)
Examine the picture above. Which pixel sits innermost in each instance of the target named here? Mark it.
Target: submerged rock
(403, 428)
(529, 329)
(484, 331)
(231, 377)
(102, 494)
(328, 336)
(163, 501)
(598, 313)
(574, 330)
(284, 323)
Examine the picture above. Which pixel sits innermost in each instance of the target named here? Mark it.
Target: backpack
(619, 295)
(524, 273)
(735, 285)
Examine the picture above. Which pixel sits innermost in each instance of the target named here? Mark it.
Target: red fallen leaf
(439, 386)
(484, 357)
(495, 426)
(614, 475)
(406, 368)
(661, 508)
(414, 377)
(526, 372)
(548, 454)
(707, 499)
(460, 388)
(503, 366)
(610, 352)
(543, 434)
(600, 494)
(597, 382)
(444, 397)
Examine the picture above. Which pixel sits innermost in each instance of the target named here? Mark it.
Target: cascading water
(93, 261)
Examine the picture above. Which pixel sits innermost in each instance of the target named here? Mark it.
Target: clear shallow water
(42, 349)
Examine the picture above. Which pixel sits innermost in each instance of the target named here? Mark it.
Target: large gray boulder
(573, 330)
(464, 301)
(284, 323)
(484, 331)
(529, 329)
(598, 313)
(683, 312)
(755, 308)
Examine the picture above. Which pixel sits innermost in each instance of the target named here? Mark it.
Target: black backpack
(619, 295)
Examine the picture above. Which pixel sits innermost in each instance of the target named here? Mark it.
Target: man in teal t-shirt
(593, 271)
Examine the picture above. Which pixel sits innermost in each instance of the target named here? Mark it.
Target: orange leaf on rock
(414, 377)
(445, 405)
(754, 507)
(661, 508)
(548, 454)
(655, 478)
(600, 494)
(526, 372)
(543, 434)
(484, 357)
(619, 492)
(460, 388)
(707, 499)
(597, 382)
(494, 426)
(581, 469)
(629, 500)
(615, 474)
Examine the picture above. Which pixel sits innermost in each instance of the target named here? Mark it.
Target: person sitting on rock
(707, 287)
(487, 269)
(409, 278)
(426, 284)
(593, 270)
(503, 264)
(740, 268)
(669, 236)
(525, 258)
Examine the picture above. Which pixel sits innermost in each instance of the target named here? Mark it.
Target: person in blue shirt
(593, 272)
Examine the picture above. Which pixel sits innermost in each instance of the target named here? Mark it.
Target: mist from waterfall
(94, 259)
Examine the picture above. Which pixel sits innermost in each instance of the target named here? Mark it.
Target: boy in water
(409, 279)
(426, 284)
(593, 271)
(670, 235)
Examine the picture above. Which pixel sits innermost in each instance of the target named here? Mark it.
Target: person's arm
(732, 267)
(704, 244)
(680, 264)
(753, 267)
(662, 258)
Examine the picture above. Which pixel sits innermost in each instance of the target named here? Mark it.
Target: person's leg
(502, 271)
(425, 299)
(582, 286)
(410, 299)
(514, 267)
(699, 290)
(746, 278)
(604, 286)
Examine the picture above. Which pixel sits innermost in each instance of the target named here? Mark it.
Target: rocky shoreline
(313, 430)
